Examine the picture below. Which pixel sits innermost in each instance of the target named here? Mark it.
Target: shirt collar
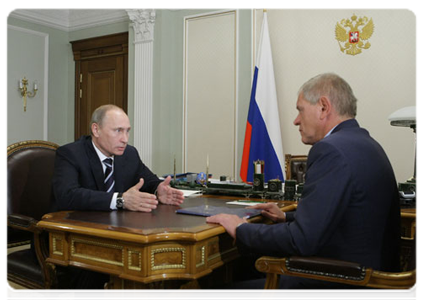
(100, 154)
(330, 131)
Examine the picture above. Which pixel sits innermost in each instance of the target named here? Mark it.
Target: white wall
(383, 77)
(28, 44)
(210, 94)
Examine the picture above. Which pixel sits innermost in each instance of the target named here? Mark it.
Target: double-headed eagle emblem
(351, 34)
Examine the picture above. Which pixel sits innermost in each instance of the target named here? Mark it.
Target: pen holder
(289, 189)
(258, 184)
(274, 185)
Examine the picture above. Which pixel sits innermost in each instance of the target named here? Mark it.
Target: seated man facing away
(102, 172)
(349, 208)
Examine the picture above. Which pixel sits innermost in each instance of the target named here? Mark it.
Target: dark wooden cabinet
(101, 76)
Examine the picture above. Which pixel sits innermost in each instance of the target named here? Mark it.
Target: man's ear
(94, 129)
(325, 106)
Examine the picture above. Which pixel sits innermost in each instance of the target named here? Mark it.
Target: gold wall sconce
(23, 83)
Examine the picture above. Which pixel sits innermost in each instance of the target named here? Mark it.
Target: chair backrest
(30, 166)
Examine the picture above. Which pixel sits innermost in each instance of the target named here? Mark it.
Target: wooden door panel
(101, 88)
(100, 79)
(101, 84)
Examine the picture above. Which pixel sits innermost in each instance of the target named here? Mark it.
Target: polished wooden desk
(144, 249)
(138, 249)
(408, 222)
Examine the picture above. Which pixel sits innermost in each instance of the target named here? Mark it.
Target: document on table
(191, 193)
(209, 210)
(245, 202)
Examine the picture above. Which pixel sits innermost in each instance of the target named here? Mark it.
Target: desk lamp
(406, 117)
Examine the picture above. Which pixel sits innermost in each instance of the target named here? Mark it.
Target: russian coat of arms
(353, 34)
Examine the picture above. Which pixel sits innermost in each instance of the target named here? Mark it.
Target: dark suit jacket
(78, 180)
(349, 208)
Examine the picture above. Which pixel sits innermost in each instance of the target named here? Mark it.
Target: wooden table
(141, 250)
(138, 249)
(408, 222)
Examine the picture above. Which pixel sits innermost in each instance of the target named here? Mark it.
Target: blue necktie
(109, 180)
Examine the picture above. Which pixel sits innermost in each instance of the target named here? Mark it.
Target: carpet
(31, 295)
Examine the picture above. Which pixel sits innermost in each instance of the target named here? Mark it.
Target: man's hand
(271, 211)
(230, 222)
(139, 201)
(169, 195)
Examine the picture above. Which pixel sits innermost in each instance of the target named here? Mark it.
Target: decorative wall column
(143, 21)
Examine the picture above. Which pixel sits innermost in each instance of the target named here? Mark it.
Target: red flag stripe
(246, 152)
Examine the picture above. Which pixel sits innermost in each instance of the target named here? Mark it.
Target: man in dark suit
(349, 208)
(103, 172)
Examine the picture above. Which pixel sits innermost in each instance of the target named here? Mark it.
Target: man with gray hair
(349, 209)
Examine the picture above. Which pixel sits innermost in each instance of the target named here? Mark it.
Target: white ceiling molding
(80, 18)
(71, 19)
(52, 17)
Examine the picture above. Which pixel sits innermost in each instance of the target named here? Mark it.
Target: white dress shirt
(102, 157)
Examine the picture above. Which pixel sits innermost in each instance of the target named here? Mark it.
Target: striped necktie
(109, 180)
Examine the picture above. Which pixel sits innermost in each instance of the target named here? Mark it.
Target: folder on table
(209, 210)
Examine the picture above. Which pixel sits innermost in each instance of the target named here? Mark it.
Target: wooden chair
(295, 167)
(17, 238)
(29, 171)
(349, 273)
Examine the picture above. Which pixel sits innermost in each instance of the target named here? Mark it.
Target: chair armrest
(25, 223)
(326, 267)
(22, 222)
(314, 268)
(332, 270)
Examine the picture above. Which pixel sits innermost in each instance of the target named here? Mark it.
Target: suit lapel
(96, 167)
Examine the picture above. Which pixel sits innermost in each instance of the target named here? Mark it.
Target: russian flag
(262, 135)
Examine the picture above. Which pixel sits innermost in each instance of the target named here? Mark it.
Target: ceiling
(71, 19)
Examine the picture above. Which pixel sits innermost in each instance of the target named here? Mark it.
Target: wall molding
(188, 161)
(45, 36)
(71, 19)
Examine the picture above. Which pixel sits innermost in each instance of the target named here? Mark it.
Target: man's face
(112, 136)
(309, 121)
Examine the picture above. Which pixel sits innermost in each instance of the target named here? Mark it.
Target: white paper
(189, 193)
(245, 202)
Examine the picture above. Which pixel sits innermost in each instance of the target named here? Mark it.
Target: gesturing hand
(139, 201)
(169, 195)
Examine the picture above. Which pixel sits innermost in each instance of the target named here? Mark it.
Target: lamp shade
(404, 117)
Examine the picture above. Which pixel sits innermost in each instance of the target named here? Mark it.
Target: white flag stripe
(266, 96)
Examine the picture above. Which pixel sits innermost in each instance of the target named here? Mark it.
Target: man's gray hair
(335, 88)
(100, 112)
